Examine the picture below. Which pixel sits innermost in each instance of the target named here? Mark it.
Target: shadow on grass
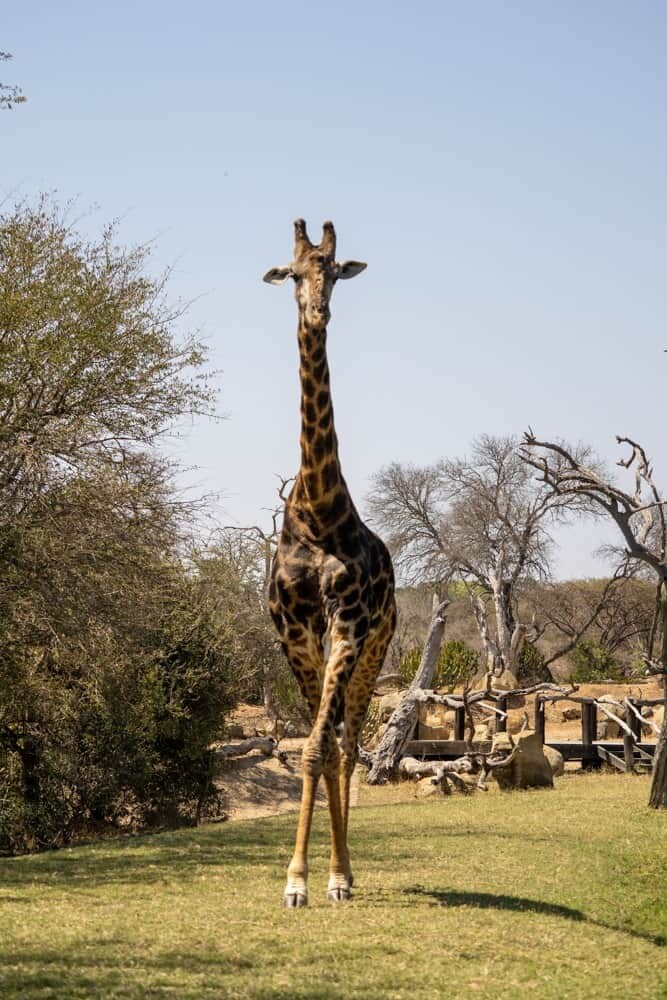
(171, 856)
(519, 904)
(95, 973)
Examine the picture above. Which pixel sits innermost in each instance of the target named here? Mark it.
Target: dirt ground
(256, 786)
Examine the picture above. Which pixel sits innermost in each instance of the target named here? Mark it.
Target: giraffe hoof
(294, 900)
(339, 895)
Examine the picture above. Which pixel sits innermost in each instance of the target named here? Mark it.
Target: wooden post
(540, 719)
(501, 720)
(634, 722)
(629, 753)
(460, 723)
(629, 743)
(588, 733)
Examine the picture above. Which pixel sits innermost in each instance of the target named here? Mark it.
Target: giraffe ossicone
(332, 580)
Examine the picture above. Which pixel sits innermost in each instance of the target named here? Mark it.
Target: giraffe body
(332, 585)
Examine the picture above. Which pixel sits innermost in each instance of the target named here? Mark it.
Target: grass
(544, 894)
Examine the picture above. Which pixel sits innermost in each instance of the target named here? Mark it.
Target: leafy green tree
(113, 673)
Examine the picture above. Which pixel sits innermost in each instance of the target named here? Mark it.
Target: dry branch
(401, 724)
(267, 746)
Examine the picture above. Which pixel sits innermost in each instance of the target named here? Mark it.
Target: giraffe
(332, 582)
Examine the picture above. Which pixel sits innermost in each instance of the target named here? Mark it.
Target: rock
(426, 788)
(607, 729)
(529, 768)
(556, 760)
(389, 702)
(571, 713)
(433, 722)
(235, 732)
(515, 721)
(482, 733)
(387, 682)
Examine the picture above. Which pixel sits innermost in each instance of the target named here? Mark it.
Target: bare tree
(256, 546)
(615, 610)
(482, 520)
(640, 517)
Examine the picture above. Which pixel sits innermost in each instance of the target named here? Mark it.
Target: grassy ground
(545, 894)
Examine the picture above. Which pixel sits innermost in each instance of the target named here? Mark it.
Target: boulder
(235, 732)
(556, 760)
(607, 729)
(434, 722)
(515, 721)
(506, 682)
(529, 768)
(482, 733)
(389, 702)
(386, 682)
(426, 788)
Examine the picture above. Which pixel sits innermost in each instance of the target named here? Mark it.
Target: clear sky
(501, 166)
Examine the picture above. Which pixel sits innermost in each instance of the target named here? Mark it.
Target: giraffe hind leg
(357, 698)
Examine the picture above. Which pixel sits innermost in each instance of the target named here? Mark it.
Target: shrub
(591, 662)
(530, 668)
(457, 663)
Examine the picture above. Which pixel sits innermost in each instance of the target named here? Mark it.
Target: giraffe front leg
(296, 889)
(340, 883)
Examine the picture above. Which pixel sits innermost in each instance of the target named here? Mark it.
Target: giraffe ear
(278, 275)
(350, 268)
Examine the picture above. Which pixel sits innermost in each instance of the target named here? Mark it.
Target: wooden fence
(629, 754)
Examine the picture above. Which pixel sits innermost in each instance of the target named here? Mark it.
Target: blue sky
(501, 166)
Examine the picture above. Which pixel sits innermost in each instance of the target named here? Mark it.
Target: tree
(97, 688)
(614, 613)
(9, 95)
(481, 520)
(90, 368)
(641, 519)
(251, 550)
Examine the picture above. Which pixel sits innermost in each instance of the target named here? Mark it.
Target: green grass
(544, 894)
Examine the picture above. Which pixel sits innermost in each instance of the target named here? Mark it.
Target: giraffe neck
(320, 473)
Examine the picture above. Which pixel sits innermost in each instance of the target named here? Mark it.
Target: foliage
(239, 560)
(592, 662)
(113, 677)
(457, 663)
(531, 667)
(141, 917)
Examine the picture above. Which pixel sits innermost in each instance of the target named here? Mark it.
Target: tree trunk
(658, 796)
(399, 728)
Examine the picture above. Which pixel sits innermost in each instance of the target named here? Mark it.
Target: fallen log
(267, 746)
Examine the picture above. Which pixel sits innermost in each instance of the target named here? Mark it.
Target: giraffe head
(315, 271)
